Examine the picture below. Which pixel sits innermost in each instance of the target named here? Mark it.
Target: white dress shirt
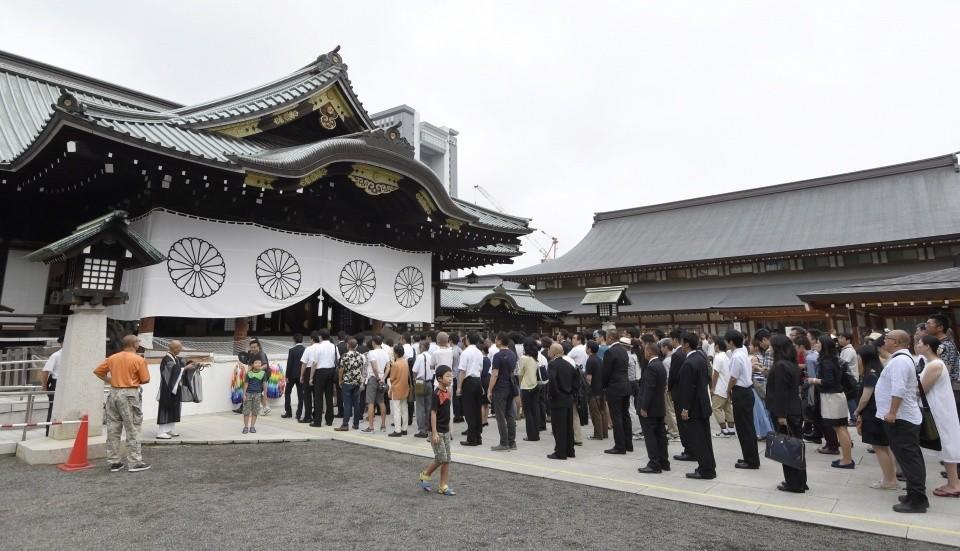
(327, 355)
(899, 378)
(443, 355)
(721, 364)
(381, 358)
(471, 362)
(740, 368)
(579, 355)
(421, 367)
(52, 366)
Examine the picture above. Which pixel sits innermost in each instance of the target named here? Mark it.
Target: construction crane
(547, 253)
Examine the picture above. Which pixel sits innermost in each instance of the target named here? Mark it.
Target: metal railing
(19, 372)
(30, 391)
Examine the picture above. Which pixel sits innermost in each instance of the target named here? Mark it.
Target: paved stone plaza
(324, 495)
(836, 498)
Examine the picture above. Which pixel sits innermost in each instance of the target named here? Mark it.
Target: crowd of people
(898, 390)
(808, 384)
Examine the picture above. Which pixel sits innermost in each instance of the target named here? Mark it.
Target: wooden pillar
(145, 332)
(831, 324)
(854, 327)
(240, 331)
(437, 285)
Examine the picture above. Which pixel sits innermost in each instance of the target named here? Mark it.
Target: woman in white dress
(935, 381)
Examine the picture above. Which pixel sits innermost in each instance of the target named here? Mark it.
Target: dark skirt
(873, 433)
(485, 383)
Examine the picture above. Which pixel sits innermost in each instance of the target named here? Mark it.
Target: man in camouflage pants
(125, 371)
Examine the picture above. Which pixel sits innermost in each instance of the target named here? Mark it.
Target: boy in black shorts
(440, 435)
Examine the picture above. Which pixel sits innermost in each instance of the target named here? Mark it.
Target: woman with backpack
(834, 411)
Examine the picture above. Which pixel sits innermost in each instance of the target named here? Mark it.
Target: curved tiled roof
(899, 203)
(471, 297)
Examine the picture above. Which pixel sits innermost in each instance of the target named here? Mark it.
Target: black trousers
(905, 444)
(543, 398)
(655, 438)
(620, 417)
(291, 384)
(701, 444)
(457, 401)
(795, 479)
(530, 398)
(339, 393)
(307, 400)
(323, 382)
(470, 403)
(635, 393)
(561, 420)
(743, 401)
(51, 386)
(682, 428)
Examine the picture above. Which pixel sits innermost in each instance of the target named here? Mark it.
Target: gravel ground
(250, 497)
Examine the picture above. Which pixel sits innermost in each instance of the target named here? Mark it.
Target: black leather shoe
(525, 439)
(307, 420)
(696, 475)
(286, 416)
(464, 433)
(911, 507)
(592, 437)
(903, 498)
(649, 470)
(664, 467)
(629, 450)
(745, 465)
(555, 456)
(465, 443)
(420, 435)
(683, 457)
(316, 424)
(784, 488)
(581, 443)
(615, 451)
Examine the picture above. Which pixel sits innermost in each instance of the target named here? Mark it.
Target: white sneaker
(265, 411)
(163, 436)
(174, 434)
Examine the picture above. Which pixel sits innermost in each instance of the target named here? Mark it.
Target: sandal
(943, 493)
(879, 485)
(446, 491)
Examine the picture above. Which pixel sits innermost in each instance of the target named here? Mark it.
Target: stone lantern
(95, 256)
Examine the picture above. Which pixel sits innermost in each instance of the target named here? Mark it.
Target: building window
(777, 265)
(710, 271)
(745, 268)
(678, 274)
(900, 255)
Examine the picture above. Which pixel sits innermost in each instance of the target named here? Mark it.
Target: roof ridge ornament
(69, 102)
(328, 59)
(388, 138)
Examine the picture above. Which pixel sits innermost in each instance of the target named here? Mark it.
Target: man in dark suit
(617, 386)
(651, 406)
(676, 362)
(293, 378)
(692, 397)
(564, 379)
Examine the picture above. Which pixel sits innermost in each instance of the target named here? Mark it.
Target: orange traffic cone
(78, 455)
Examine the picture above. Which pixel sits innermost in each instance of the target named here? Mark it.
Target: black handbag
(929, 435)
(786, 449)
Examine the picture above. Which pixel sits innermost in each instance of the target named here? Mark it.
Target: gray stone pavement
(337, 495)
(837, 497)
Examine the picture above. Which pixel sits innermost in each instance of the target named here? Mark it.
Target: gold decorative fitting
(262, 181)
(312, 177)
(240, 130)
(425, 202)
(330, 103)
(285, 117)
(454, 224)
(373, 180)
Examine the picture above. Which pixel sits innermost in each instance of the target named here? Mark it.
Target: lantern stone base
(79, 391)
(47, 451)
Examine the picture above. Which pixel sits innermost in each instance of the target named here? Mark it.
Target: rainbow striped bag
(276, 383)
(236, 384)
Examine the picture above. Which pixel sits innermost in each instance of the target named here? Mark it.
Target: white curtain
(220, 269)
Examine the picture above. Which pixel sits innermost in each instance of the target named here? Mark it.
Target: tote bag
(787, 450)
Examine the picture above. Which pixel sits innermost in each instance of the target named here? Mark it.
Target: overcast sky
(566, 108)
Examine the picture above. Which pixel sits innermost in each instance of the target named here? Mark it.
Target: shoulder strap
(923, 395)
